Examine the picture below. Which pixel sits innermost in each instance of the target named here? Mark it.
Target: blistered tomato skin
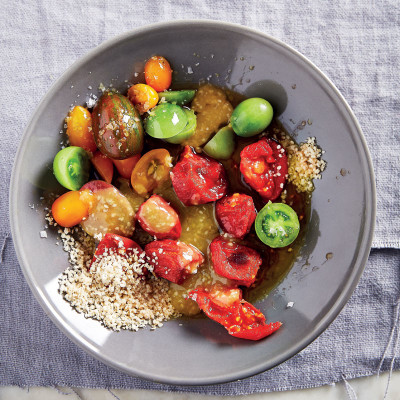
(234, 261)
(117, 127)
(159, 219)
(240, 318)
(198, 179)
(264, 167)
(173, 260)
(236, 214)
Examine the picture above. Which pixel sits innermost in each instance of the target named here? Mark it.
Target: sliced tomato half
(235, 261)
(198, 179)
(151, 171)
(264, 167)
(159, 219)
(173, 260)
(236, 214)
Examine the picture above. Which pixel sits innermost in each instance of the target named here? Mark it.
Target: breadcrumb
(305, 163)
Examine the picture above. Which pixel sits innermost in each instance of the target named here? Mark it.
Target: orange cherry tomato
(103, 165)
(158, 73)
(150, 171)
(79, 129)
(144, 97)
(70, 209)
(125, 167)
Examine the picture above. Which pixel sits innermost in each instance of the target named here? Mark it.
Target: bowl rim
(359, 262)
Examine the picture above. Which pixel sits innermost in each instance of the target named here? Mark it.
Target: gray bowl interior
(342, 214)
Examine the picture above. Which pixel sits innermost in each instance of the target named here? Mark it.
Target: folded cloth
(357, 44)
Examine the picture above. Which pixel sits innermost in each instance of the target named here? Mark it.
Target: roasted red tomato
(236, 214)
(112, 243)
(264, 167)
(240, 318)
(173, 260)
(198, 179)
(159, 219)
(235, 261)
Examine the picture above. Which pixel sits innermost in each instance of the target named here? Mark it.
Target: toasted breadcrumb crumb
(305, 163)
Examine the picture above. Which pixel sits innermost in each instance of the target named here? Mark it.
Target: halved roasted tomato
(173, 260)
(110, 211)
(198, 179)
(151, 171)
(264, 167)
(234, 261)
(236, 214)
(159, 219)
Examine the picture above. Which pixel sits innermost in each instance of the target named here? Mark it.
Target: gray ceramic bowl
(342, 217)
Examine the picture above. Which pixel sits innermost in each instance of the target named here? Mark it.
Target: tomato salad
(196, 181)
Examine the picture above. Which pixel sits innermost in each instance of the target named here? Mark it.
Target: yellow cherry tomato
(144, 97)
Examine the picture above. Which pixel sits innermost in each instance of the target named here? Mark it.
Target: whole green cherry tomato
(251, 117)
(222, 145)
(165, 121)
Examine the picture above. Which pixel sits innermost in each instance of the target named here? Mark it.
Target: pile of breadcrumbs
(114, 288)
(305, 163)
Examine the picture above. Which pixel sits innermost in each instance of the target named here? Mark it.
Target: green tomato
(251, 117)
(222, 145)
(179, 97)
(165, 120)
(277, 225)
(71, 167)
(188, 131)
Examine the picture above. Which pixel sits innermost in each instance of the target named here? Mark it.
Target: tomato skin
(161, 211)
(240, 318)
(125, 167)
(112, 242)
(198, 179)
(143, 97)
(151, 170)
(235, 261)
(235, 214)
(79, 129)
(117, 126)
(173, 260)
(264, 167)
(104, 166)
(69, 209)
(95, 186)
(158, 73)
